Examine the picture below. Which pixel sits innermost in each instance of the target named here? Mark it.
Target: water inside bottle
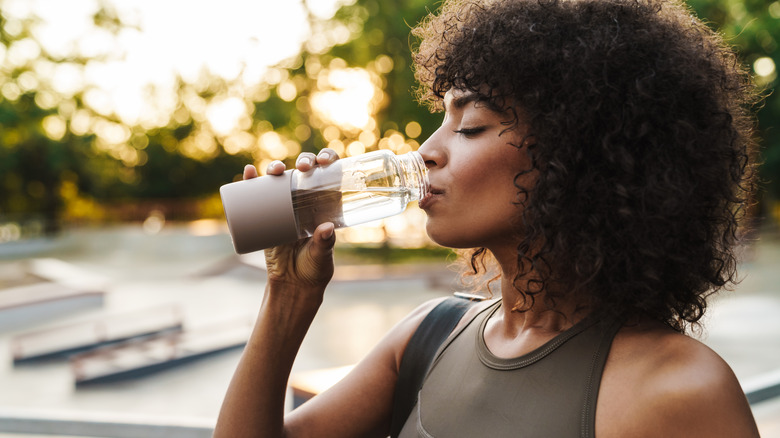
(346, 208)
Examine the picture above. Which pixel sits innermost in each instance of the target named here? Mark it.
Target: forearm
(254, 403)
(297, 275)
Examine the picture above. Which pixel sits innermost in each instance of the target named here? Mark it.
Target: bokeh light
(348, 98)
(764, 66)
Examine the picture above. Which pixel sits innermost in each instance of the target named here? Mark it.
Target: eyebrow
(461, 101)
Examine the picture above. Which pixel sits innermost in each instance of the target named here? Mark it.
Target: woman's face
(472, 161)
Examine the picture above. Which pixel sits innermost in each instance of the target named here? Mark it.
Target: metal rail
(763, 387)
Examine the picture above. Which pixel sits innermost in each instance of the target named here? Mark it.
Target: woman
(596, 153)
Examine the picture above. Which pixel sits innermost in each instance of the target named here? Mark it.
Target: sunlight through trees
(147, 105)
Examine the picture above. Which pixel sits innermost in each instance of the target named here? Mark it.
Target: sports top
(549, 392)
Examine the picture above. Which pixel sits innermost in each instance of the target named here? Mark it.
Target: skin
(656, 382)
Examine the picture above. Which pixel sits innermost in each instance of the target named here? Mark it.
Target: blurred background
(119, 120)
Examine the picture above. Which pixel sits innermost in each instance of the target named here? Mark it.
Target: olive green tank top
(549, 392)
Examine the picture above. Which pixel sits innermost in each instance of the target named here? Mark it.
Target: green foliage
(753, 27)
(385, 254)
(30, 162)
(33, 165)
(41, 173)
(169, 175)
(46, 174)
(386, 30)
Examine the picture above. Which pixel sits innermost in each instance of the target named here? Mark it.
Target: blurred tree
(57, 155)
(363, 48)
(37, 151)
(385, 38)
(350, 88)
(379, 34)
(753, 27)
(179, 160)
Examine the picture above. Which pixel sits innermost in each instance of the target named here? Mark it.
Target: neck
(537, 312)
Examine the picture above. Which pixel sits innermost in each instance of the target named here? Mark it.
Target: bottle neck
(415, 174)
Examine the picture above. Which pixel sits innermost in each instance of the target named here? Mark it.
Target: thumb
(323, 240)
(319, 254)
(317, 262)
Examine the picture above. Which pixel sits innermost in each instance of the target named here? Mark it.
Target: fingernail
(305, 160)
(324, 155)
(328, 233)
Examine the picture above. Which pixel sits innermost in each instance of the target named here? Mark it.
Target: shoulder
(404, 330)
(661, 383)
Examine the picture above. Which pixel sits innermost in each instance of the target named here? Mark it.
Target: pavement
(202, 275)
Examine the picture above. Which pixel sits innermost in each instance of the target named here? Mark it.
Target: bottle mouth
(418, 174)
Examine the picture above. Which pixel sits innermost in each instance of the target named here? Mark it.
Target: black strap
(419, 355)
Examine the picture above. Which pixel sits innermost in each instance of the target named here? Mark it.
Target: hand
(307, 262)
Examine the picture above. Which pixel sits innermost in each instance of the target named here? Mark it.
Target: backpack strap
(420, 352)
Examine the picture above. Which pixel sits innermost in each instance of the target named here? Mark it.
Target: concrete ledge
(38, 310)
(96, 424)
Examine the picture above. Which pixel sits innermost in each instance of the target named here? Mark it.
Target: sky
(165, 38)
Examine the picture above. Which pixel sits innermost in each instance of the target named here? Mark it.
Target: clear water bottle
(276, 209)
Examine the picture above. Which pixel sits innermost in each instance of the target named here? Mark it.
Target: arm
(297, 276)
(254, 403)
(359, 405)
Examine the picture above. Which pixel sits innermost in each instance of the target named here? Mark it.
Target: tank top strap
(599, 359)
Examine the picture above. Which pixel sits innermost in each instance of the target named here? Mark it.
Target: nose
(433, 151)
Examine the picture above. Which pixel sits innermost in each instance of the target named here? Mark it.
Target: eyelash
(469, 131)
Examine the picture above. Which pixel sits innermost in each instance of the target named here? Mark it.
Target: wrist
(284, 319)
(287, 297)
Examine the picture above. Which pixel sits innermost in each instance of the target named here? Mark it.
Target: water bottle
(275, 209)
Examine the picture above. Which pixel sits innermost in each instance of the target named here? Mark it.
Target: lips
(430, 197)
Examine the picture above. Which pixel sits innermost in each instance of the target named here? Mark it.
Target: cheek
(495, 180)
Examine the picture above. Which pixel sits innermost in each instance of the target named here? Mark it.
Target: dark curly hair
(642, 138)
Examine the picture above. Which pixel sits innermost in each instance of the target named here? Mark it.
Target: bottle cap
(259, 212)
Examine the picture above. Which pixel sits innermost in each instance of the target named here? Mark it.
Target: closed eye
(470, 131)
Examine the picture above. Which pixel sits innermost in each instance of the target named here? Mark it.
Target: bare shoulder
(658, 382)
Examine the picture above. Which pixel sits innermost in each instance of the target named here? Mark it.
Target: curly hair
(642, 138)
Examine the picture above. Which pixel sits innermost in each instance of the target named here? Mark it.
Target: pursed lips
(433, 194)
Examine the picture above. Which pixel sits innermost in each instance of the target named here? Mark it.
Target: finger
(275, 168)
(321, 246)
(316, 262)
(305, 161)
(250, 171)
(323, 240)
(327, 156)
(325, 232)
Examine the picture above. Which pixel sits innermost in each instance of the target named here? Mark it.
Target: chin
(438, 237)
(449, 238)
